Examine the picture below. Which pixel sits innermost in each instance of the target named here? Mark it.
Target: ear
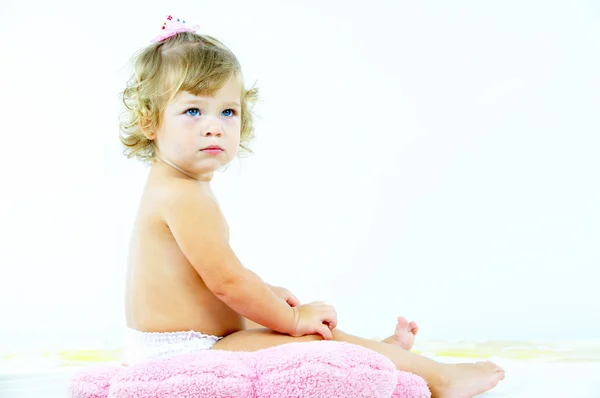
(151, 135)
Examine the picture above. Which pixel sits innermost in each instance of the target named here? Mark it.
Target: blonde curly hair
(187, 61)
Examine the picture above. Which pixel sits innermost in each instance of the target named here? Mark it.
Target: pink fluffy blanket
(316, 369)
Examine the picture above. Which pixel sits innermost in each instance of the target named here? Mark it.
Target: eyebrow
(200, 101)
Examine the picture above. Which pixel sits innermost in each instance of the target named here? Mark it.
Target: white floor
(36, 385)
(529, 379)
(525, 379)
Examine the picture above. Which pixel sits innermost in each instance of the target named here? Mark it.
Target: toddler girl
(188, 114)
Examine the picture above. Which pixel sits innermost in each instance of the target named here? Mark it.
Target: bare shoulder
(188, 208)
(200, 231)
(184, 192)
(181, 196)
(177, 203)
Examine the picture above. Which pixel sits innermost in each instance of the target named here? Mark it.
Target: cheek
(174, 142)
(181, 136)
(234, 123)
(235, 130)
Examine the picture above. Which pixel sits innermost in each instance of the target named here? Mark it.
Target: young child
(188, 114)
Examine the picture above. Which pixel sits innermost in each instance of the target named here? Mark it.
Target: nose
(212, 128)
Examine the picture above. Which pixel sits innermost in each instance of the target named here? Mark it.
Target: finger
(324, 331)
(332, 320)
(329, 315)
(333, 323)
(293, 300)
(331, 326)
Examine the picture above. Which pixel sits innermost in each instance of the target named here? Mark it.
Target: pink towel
(317, 369)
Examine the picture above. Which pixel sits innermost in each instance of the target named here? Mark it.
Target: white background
(438, 160)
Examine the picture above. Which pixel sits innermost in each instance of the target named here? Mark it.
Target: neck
(202, 177)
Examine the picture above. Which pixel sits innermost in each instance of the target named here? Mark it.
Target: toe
(413, 327)
(402, 323)
(492, 366)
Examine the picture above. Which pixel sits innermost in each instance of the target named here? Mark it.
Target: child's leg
(403, 337)
(445, 381)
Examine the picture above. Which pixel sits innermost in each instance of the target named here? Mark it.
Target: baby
(188, 114)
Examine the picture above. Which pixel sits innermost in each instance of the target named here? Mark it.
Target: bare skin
(444, 380)
(404, 334)
(183, 275)
(452, 381)
(165, 293)
(403, 337)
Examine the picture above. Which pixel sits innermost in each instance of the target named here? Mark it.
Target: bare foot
(466, 380)
(404, 335)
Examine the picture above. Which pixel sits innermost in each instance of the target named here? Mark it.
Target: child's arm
(285, 295)
(200, 231)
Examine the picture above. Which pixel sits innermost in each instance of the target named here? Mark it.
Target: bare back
(164, 293)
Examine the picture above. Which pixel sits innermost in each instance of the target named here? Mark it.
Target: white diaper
(145, 346)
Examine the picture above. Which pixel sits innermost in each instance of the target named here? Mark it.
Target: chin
(212, 167)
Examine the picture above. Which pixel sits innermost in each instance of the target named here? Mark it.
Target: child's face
(191, 124)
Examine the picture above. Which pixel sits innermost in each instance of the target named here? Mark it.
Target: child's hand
(285, 295)
(315, 318)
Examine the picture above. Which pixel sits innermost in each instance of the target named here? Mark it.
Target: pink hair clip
(171, 27)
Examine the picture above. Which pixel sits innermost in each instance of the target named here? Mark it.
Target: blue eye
(193, 112)
(230, 112)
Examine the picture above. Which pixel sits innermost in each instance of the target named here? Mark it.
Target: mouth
(212, 148)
